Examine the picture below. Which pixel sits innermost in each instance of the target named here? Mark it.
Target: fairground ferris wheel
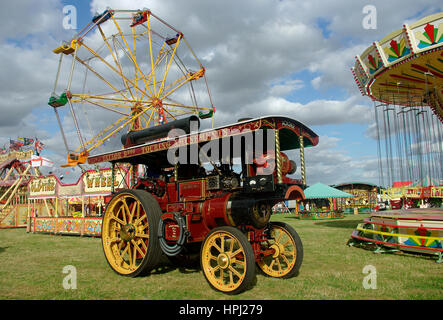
(126, 70)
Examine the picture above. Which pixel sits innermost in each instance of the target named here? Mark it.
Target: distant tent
(322, 191)
(398, 184)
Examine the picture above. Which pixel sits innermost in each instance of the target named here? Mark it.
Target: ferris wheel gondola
(133, 65)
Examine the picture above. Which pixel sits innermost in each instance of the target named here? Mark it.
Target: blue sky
(308, 49)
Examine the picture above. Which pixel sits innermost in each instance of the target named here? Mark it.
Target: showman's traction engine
(210, 194)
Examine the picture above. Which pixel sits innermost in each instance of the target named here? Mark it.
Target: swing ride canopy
(405, 67)
(127, 70)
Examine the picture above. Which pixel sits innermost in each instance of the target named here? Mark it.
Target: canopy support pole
(302, 159)
(278, 156)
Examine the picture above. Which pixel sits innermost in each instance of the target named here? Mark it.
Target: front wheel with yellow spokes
(227, 260)
(129, 232)
(285, 252)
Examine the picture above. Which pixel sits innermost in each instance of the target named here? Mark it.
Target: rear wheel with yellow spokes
(227, 260)
(129, 232)
(287, 252)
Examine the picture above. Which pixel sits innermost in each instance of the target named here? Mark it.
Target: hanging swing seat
(76, 159)
(196, 75)
(139, 18)
(171, 41)
(105, 16)
(66, 48)
(56, 101)
(206, 115)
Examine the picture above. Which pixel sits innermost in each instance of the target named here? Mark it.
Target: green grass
(31, 267)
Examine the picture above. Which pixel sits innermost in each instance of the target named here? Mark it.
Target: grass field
(31, 267)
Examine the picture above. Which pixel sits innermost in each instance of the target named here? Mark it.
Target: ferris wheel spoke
(173, 117)
(145, 120)
(114, 57)
(106, 106)
(188, 78)
(103, 135)
(180, 105)
(115, 70)
(180, 112)
(118, 63)
(107, 129)
(169, 63)
(134, 60)
(176, 83)
(110, 98)
(128, 120)
(151, 116)
(162, 54)
(100, 77)
(134, 44)
(113, 95)
(131, 58)
(152, 56)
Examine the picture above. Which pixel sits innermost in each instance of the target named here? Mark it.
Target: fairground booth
(423, 193)
(321, 202)
(364, 198)
(15, 174)
(73, 209)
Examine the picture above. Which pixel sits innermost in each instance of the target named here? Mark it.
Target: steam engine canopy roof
(155, 152)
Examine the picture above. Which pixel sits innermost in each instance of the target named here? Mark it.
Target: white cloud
(316, 112)
(330, 163)
(286, 87)
(19, 19)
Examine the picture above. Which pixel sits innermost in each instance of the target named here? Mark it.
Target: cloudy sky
(262, 57)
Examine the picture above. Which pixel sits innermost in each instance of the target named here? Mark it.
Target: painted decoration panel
(396, 48)
(372, 60)
(69, 225)
(429, 34)
(46, 225)
(93, 227)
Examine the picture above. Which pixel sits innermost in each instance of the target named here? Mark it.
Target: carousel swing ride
(403, 75)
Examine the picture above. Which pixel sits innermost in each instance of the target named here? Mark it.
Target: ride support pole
(302, 158)
(278, 157)
(112, 176)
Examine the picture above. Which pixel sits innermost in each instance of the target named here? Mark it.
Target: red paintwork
(203, 208)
